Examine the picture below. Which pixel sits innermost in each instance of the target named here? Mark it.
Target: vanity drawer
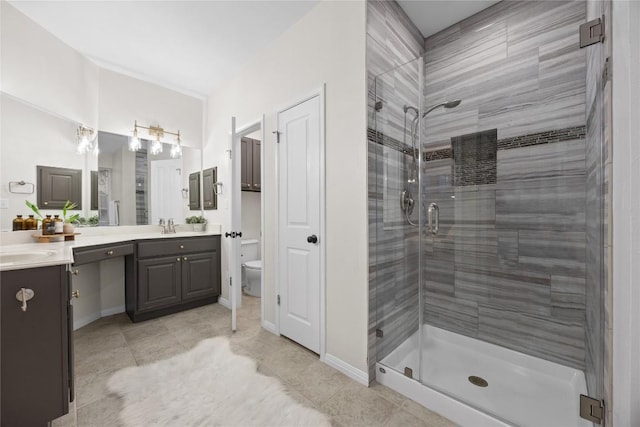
(81, 256)
(172, 246)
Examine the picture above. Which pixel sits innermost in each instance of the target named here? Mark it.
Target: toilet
(251, 266)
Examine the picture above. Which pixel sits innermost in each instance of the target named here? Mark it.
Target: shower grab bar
(433, 218)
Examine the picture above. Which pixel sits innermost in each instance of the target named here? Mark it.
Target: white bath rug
(207, 386)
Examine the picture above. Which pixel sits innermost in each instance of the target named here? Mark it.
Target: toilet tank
(249, 249)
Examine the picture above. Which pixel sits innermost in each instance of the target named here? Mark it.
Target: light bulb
(156, 147)
(134, 143)
(176, 151)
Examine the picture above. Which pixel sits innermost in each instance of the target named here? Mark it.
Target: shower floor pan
(520, 389)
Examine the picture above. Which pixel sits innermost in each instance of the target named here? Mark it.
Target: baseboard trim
(79, 323)
(113, 310)
(224, 302)
(349, 370)
(268, 326)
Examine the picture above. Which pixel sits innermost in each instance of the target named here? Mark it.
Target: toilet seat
(254, 265)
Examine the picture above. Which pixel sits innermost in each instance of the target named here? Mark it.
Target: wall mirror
(138, 187)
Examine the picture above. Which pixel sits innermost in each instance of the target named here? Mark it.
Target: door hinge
(379, 333)
(378, 106)
(592, 32)
(591, 409)
(278, 299)
(277, 136)
(606, 72)
(230, 281)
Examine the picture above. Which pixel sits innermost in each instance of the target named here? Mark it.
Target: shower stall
(487, 226)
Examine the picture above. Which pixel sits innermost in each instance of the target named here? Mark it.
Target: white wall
(325, 46)
(626, 212)
(41, 70)
(124, 99)
(251, 215)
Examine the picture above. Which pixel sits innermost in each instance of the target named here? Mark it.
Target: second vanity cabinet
(175, 274)
(37, 347)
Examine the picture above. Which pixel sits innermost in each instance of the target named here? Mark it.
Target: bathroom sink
(23, 257)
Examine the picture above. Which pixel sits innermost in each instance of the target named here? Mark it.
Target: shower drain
(479, 381)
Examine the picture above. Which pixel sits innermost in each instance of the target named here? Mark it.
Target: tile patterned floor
(112, 343)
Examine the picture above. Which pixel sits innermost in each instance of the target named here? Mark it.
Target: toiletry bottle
(18, 223)
(31, 223)
(48, 226)
(58, 223)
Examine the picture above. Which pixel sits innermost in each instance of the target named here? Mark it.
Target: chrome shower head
(449, 104)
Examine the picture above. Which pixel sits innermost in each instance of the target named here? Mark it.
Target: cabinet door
(256, 165)
(200, 275)
(57, 185)
(209, 177)
(159, 282)
(194, 191)
(35, 381)
(246, 167)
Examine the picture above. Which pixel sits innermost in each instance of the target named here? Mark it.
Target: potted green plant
(68, 227)
(199, 222)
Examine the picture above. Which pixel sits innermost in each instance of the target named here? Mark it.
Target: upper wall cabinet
(57, 185)
(250, 170)
(209, 179)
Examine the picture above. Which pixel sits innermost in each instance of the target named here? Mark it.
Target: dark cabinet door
(200, 275)
(209, 177)
(194, 191)
(34, 347)
(57, 185)
(159, 282)
(255, 159)
(246, 168)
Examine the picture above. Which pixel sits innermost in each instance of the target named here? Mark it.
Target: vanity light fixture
(86, 140)
(134, 141)
(156, 146)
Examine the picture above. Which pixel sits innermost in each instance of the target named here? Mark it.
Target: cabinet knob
(75, 294)
(46, 203)
(109, 252)
(178, 259)
(24, 295)
(181, 246)
(184, 259)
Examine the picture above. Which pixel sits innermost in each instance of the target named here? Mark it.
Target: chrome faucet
(171, 227)
(161, 223)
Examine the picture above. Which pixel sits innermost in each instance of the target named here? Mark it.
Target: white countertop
(23, 245)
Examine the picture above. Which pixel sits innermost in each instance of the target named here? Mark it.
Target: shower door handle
(433, 218)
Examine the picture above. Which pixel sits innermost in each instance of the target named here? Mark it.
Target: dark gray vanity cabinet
(159, 282)
(174, 274)
(250, 164)
(36, 364)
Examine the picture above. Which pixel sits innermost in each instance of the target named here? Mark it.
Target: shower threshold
(509, 388)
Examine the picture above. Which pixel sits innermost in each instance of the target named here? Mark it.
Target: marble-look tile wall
(508, 265)
(394, 45)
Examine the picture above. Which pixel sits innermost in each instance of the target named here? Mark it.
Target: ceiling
(189, 46)
(432, 16)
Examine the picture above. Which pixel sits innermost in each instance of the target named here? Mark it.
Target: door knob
(312, 239)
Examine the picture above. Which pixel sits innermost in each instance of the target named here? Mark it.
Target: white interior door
(299, 238)
(166, 187)
(235, 223)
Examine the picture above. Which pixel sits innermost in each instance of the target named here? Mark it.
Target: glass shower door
(393, 147)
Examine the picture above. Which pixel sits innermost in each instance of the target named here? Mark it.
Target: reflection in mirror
(139, 188)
